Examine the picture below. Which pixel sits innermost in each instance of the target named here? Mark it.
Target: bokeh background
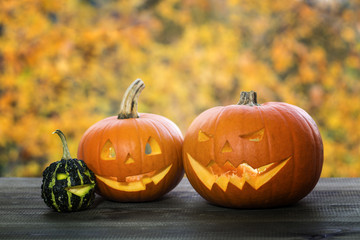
(66, 64)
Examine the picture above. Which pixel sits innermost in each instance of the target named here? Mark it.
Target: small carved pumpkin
(135, 157)
(68, 185)
(253, 156)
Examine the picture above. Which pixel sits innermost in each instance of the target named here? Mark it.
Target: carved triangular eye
(129, 159)
(152, 147)
(254, 136)
(203, 137)
(108, 151)
(226, 148)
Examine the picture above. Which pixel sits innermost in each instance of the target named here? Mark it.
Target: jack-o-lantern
(253, 156)
(135, 157)
(68, 185)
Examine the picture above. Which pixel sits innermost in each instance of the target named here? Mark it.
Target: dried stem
(66, 152)
(128, 106)
(248, 98)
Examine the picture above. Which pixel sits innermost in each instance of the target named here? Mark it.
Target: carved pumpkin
(253, 156)
(68, 185)
(135, 157)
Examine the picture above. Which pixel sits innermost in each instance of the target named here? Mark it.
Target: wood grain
(331, 211)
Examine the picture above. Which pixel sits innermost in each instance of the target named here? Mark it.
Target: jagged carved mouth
(136, 183)
(223, 175)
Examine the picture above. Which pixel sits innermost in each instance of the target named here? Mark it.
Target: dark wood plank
(331, 211)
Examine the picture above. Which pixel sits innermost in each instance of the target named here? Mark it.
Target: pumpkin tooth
(237, 181)
(146, 180)
(139, 177)
(222, 182)
(228, 164)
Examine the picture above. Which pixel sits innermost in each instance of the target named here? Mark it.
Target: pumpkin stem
(66, 152)
(248, 98)
(128, 106)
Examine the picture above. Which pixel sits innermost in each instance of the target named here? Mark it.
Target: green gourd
(68, 185)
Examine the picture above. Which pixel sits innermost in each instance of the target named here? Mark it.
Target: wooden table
(330, 211)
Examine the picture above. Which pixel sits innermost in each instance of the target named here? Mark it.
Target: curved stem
(248, 98)
(66, 152)
(128, 106)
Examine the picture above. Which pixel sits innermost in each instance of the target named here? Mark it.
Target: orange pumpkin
(253, 156)
(135, 157)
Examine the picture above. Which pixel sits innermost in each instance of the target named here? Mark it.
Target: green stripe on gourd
(51, 185)
(68, 193)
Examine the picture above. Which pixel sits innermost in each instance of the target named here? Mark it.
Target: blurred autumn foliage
(65, 65)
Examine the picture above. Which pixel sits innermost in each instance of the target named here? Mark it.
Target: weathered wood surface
(331, 211)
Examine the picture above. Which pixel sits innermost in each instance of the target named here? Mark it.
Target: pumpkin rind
(117, 149)
(68, 185)
(255, 138)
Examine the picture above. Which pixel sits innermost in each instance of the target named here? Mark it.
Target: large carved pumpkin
(135, 157)
(253, 156)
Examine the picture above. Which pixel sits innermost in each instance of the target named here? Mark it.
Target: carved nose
(129, 159)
